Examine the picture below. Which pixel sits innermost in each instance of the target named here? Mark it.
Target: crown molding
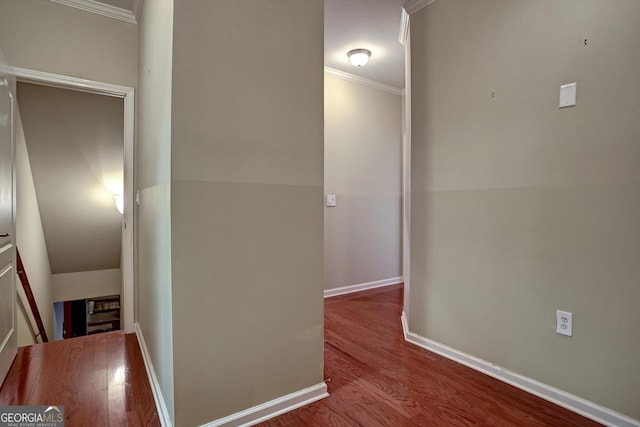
(137, 9)
(73, 83)
(362, 81)
(104, 9)
(404, 27)
(413, 6)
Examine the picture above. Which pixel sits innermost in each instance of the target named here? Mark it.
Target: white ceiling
(75, 145)
(366, 24)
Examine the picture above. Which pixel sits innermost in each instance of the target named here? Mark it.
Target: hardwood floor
(377, 379)
(99, 379)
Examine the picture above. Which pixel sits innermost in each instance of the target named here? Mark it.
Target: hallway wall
(87, 284)
(153, 292)
(246, 203)
(32, 246)
(520, 208)
(55, 38)
(362, 145)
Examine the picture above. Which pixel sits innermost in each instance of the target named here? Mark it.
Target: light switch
(331, 200)
(568, 95)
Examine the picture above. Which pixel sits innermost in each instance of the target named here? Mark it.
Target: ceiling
(349, 24)
(366, 24)
(75, 145)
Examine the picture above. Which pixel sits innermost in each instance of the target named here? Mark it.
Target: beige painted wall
(47, 36)
(86, 284)
(520, 208)
(75, 142)
(246, 212)
(25, 325)
(153, 311)
(362, 163)
(32, 246)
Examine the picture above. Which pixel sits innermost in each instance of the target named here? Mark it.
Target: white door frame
(405, 39)
(127, 94)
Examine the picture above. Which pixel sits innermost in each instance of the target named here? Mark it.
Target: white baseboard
(272, 408)
(163, 413)
(248, 417)
(361, 287)
(562, 398)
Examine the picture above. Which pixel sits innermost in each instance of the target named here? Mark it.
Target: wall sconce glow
(359, 57)
(119, 203)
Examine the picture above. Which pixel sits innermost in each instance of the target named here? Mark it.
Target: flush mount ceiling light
(359, 57)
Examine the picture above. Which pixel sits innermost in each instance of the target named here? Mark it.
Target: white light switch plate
(568, 95)
(331, 200)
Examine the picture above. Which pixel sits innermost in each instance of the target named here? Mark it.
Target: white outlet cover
(568, 95)
(331, 200)
(564, 323)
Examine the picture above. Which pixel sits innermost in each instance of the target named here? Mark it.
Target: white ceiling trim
(362, 81)
(414, 6)
(404, 27)
(101, 9)
(71, 83)
(137, 8)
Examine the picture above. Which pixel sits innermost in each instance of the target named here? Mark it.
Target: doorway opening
(97, 161)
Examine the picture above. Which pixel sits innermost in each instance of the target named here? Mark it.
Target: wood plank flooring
(377, 379)
(99, 379)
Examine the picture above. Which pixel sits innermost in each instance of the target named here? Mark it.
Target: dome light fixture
(359, 57)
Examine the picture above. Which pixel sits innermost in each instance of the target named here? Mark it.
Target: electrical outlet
(564, 323)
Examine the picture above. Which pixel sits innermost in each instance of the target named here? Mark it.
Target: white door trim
(406, 163)
(127, 94)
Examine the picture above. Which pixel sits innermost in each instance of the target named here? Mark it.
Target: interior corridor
(375, 379)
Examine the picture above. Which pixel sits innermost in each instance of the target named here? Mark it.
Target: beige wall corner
(154, 310)
(520, 208)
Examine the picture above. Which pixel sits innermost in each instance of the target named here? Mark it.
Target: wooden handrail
(32, 302)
